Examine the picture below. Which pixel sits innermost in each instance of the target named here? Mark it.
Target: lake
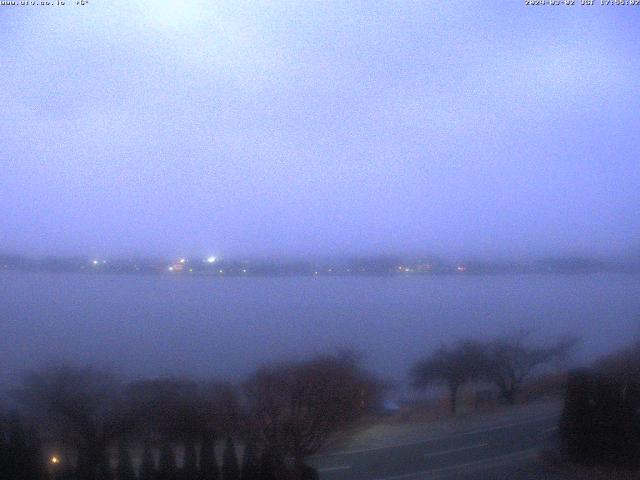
(225, 327)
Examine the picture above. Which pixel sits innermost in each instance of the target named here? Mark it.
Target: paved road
(499, 447)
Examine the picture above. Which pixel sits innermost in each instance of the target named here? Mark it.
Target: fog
(319, 128)
(318, 240)
(313, 130)
(206, 327)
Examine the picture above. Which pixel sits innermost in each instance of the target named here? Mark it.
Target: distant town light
(461, 268)
(244, 270)
(171, 269)
(211, 259)
(220, 271)
(95, 262)
(55, 460)
(183, 260)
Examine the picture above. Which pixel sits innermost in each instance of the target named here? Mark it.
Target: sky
(314, 128)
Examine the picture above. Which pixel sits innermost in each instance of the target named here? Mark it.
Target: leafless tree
(82, 404)
(181, 409)
(510, 360)
(167, 408)
(295, 406)
(452, 366)
(623, 364)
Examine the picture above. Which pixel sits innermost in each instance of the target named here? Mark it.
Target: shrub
(599, 424)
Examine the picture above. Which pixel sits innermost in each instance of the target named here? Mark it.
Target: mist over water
(320, 128)
(225, 327)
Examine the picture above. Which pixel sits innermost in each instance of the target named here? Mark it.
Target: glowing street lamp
(54, 460)
(211, 259)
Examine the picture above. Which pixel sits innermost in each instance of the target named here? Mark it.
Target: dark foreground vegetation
(505, 363)
(600, 424)
(81, 424)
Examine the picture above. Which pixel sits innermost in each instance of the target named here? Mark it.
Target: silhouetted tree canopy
(452, 366)
(510, 360)
(104, 468)
(182, 409)
(148, 465)
(82, 404)
(624, 364)
(190, 462)
(270, 463)
(124, 470)
(21, 455)
(599, 423)
(167, 469)
(506, 361)
(208, 462)
(230, 469)
(295, 406)
(250, 462)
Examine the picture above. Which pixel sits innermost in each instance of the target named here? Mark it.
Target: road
(465, 454)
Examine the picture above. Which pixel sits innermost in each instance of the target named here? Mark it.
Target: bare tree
(452, 366)
(510, 360)
(166, 408)
(296, 406)
(147, 470)
(187, 412)
(21, 457)
(623, 364)
(250, 462)
(82, 404)
(124, 470)
(230, 467)
(208, 466)
(221, 406)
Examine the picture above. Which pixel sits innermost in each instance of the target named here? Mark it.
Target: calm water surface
(227, 326)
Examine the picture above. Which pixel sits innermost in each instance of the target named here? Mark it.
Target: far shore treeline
(283, 266)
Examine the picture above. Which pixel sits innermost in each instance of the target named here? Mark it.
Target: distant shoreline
(380, 265)
(322, 275)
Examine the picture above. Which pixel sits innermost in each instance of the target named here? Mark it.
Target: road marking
(487, 462)
(333, 469)
(507, 425)
(434, 439)
(453, 450)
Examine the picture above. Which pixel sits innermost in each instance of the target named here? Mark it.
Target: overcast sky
(319, 128)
